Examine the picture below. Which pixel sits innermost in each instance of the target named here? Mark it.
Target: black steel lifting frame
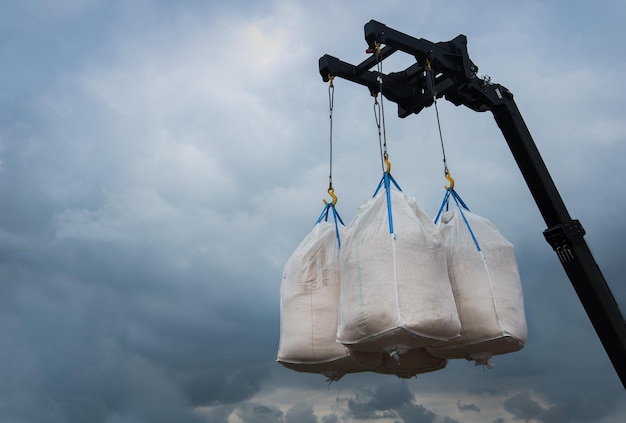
(444, 69)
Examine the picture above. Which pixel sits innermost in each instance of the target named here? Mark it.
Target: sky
(160, 161)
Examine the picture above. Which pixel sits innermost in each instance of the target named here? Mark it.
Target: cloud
(258, 413)
(78, 366)
(416, 413)
(523, 407)
(380, 402)
(331, 418)
(390, 400)
(301, 413)
(216, 414)
(467, 407)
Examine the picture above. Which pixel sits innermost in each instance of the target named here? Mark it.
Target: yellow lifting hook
(451, 180)
(387, 164)
(331, 192)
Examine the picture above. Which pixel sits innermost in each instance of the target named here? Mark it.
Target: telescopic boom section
(444, 69)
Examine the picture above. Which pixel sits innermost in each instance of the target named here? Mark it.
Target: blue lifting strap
(386, 181)
(450, 192)
(336, 219)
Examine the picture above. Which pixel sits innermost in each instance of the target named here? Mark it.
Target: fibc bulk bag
(487, 288)
(309, 298)
(395, 292)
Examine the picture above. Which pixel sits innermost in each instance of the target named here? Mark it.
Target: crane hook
(331, 192)
(451, 180)
(387, 164)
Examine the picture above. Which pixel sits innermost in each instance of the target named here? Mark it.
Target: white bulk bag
(395, 292)
(487, 288)
(309, 298)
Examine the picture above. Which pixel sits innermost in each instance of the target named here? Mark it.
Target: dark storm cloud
(100, 352)
(250, 412)
(116, 312)
(380, 402)
(467, 407)
(218, 414)
(523, 407)
(415, 413)
(78, 366)
(331, 418)
(300, 413)
(390, 400)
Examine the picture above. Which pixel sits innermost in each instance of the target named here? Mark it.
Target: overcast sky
(161, 160)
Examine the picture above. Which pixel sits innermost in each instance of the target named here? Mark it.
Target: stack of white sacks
(395, 293)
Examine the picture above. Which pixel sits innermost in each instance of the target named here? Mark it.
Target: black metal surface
(444, 69)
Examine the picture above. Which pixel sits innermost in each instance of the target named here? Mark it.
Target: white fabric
(309, 298)
(487, 290)
(388, 300)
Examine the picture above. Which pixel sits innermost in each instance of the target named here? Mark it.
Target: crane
(444, 69)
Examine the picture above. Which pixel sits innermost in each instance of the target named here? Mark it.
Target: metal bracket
(561, 237)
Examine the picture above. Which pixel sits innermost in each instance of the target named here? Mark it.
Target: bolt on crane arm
(444, 69)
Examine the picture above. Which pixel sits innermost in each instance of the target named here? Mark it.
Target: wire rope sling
(395, 297)
(484, 277)
(309, 294)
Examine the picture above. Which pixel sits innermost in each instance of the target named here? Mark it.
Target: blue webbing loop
(457, 197)
(324, 215)
(336, 218)
(444, 203)
(386, 181)
(461, 205)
